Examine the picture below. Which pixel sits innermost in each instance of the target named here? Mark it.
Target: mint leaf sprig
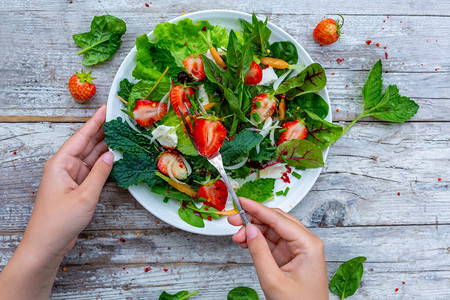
(389, 106)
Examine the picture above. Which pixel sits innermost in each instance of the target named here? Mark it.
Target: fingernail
(251, 231)
(108, 158)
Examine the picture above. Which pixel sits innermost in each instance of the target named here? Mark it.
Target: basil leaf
(308, 102)
(371, 91)
(102, 41)
(233, 151)
(259, 190)
(348, 277)
(300, 153)
(284, 50)
(311, 79)
(125, 87)
(182, 295)
(321, 132)
(135, 168)
(242, 293)
(186, 214)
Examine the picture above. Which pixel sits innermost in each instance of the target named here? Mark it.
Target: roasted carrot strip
(282, 109)
(275, 63)
(227, 212)
(183, 187)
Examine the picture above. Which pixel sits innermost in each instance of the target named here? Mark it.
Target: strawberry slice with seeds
(263, 107)
(292, 130)
(147, 112)
(254, 74)
(179, 96)
(173, 163)
(194, 65)
(209, 135)
(216, 194)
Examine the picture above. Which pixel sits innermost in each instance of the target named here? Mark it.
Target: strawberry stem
(339, 24)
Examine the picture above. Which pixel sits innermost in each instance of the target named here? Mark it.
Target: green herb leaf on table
(187, 214)
(321, 132)
(182, 295)
(308, 102)
(102, 41)
(235, 150)
(259, 190)
(311, 79)
(284, 50)
(119, 136)
(242, 293)
(348, 277)
(135, 168)
(373, 88)
(300, 153)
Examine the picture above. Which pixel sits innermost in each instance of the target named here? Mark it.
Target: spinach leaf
(300, 153)
(347, 278)
(208, 211)
(311, 102)
(284, 50)
(182, 295)
(259, 190)
(135, 168)
(242, 293)
(235, 150)
(119, 136)
(321, 132)
(187, 214)
(102, 41)
(125, 87)
(311, 79)
(141, 90)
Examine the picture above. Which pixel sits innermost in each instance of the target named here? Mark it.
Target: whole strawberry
(328, 31)
(81, 86)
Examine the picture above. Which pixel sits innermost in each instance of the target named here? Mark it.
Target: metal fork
(215, 159)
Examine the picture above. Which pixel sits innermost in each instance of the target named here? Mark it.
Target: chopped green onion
(256, 117)
(296, 175)
(286, 191)
(271, 148)
(279, 193)
(258, 104)
(284, 159)
(283, 130)
(166, 199)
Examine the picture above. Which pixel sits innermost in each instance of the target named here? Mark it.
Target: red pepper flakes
(123, 268)
(384, 47)
(401, 21)
(396, 290)
(386, 55)
(209, 218)
(81, 254)
(439, 179)
(436, 69)
(157, 222)
(146, 4)
(337, 110)
(14, 152)
(403, 63)
(403, 282)
(421, 64)
(204, 28)
(182, 257)
(346, 85)
(231, 138)
(378, 44)
(165, 270)
(368, 42)
(388, 17)
(64, 268)
(114, 273)
(332, 73)
(321, 45)
(185, 43)
(382, 28)
(398, 193)
(32, 193)
(147, 269)
(122, 240)
(59, 95)
(188, 239)
(339, 60)
(192, 46)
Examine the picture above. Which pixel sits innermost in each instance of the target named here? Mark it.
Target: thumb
(266, 267)
(94, 182)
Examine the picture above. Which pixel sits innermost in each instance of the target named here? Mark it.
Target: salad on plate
(263, 114)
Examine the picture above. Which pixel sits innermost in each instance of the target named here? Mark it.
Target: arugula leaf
(125, 87)
(135, 168)
(184, 144)
(321, 132)
(259, 190)
(238, 148)
(182, 295)
(119, 136)
(300, 153)
(170, 192)
(311, 79)
(102, 41)
(258, 33)
(242, 293)
(373, 88)
(308, 102)
(141, 90)
(284, 50)
(239, 57)
(348, 277)
(187, 214)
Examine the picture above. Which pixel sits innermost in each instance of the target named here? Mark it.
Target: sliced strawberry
(147, 112)
(215, 194)
(179, 96)
(294, 130)
(172, 161)
(194, 65)
(263, 107)
(209, 134)
(254, 74)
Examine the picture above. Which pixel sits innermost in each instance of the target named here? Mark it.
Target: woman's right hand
(289, 259)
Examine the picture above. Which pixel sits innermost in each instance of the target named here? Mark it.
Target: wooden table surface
(378, 196)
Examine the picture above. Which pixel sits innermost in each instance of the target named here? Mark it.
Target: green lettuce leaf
(300, 153)
(135, 168)
(102, 41)
(235, 150)
(141, 90)
(184, 144)
(259, 190)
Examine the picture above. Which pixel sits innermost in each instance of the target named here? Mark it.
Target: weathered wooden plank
(365, 7)
(35, 78)
(359, 186)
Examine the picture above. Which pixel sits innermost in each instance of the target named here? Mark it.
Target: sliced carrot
(227, 212)
(275, 63)
(282, 109)
(217, 58)
(207, 106)
(183, 187)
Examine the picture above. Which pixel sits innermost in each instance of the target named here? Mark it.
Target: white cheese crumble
(234, 184)
(275, 171)
(166, 136)
(268, 76)
(202, 95)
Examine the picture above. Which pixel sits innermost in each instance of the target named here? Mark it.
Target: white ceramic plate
(168, 211)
